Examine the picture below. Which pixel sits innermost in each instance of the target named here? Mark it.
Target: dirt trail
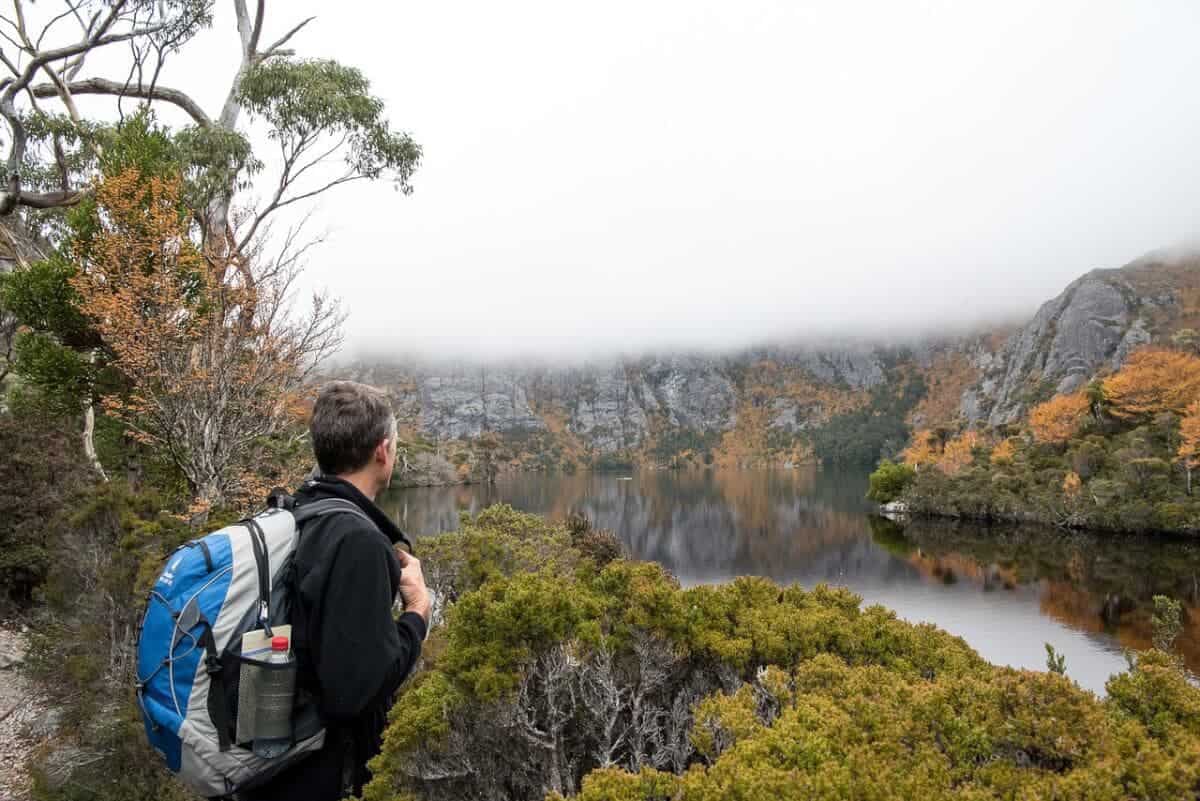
(21, 708)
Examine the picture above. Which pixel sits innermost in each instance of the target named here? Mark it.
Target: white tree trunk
(89, 432)
(89, 440)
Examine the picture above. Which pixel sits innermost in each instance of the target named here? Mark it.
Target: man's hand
(413, 592)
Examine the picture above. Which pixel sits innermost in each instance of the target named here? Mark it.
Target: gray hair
(348, 421)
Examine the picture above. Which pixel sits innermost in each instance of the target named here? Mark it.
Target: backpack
(211, 592)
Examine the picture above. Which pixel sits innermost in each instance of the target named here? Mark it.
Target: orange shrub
(1154, 380)
(1057, 420)
(959, 453)
(922, 450)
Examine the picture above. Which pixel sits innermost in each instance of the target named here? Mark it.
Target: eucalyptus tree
(316, 110)
(325, 127)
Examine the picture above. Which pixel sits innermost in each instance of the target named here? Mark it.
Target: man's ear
(381, 451)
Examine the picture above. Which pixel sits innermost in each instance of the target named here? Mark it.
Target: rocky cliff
(633, 410)
(770, 405)
(1090, 328)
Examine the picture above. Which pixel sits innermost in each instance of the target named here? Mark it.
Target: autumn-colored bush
(1004, 452)
(923, 449)
(1119, 455)
(1058, 419)
(1152, 381)
(1189, 441)
(959, 453)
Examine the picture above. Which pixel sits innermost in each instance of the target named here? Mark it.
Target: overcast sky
(685, 173)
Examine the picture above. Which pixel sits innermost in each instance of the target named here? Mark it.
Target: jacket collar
(319, 486)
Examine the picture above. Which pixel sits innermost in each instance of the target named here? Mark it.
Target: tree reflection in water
(1004, 588)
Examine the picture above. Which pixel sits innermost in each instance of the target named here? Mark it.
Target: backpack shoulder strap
(327, 506)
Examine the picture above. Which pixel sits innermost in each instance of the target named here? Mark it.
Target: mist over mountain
(850, 400)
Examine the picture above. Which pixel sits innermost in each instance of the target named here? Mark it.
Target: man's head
(354, 435)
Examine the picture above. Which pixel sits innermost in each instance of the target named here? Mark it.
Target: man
(351, 652)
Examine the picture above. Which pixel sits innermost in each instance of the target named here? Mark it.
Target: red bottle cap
(279, 643)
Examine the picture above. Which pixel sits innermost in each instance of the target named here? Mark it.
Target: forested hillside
(1118, 454)
(1096, 414)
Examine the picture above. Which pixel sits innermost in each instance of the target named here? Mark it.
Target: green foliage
(796, 694)
(39, 476)
(42, 298)
(1167, 622)
(129, 771)
(889, 481)
(56, 378)
(114, 541)
(1055, 662)
(1126, 474)
(601, 547)
(876, 430)
(301, 99)
(674, 441)
(861, 732)
(1156, 694)
(499, 542)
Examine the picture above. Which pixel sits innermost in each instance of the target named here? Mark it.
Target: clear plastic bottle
(273, 705)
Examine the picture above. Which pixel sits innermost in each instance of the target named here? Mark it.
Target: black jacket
(350, 650)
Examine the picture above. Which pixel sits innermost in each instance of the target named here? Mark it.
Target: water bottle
(273, 706)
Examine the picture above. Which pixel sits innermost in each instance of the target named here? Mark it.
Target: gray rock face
(1067, 341)
(694, 393)
(610, 406)
(859, 368)
(608, 410)
(1093, 325)
(466, 404)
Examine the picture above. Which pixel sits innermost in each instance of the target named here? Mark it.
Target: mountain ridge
(776, 404)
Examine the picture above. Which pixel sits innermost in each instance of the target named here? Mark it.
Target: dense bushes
(39, 473)
(613, 683)
(1116, 456)
(889, 481)
(1115, 480)
(109, 544)
(835, 731)
(862, 436)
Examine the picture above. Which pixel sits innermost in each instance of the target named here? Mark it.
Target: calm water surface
(1006, 590)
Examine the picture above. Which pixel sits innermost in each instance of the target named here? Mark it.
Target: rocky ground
(22, 713)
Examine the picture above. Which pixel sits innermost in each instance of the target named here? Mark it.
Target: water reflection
(1005, 590)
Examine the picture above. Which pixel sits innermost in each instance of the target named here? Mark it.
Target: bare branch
(15, 44)
(102, 86)
(345, 179)
(20, 26)
(318, 159)
(4, 58)
(45, 30)
(275, 48)
(50, 200)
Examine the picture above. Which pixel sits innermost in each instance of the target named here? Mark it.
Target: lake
(1006, 590)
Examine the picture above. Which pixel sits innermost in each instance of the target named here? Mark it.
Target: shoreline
(899, 513)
